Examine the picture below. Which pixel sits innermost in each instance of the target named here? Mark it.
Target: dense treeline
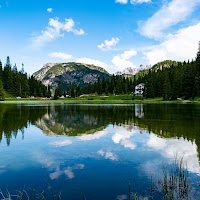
(114, 85)
(178, 80)
(17, 118)
(17, 83)
(169, 79)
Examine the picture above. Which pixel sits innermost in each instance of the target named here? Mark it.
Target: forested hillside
(168, 79)
(17, 83)
(75, 74)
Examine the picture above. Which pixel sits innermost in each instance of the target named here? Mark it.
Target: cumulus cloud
(139, 1)
(133, 1)
(122, 61)
(128, 54)
(108, 155)
(123, 135)
(60, 55)
(108, 44)
(170, 148)
(69, 171)
(93, 62)
(169, 15)
(94, 136)
(121, 1)
(61, 143)
(128, 144)
(55, 175)
(56, 29)
(50, 10)
(181, 46)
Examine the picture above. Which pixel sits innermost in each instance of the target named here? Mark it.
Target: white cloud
(122, 61)
(61, 55)
(133, 1)
(180, 148)
(139, 1)
(121, 1)
(50, 10)
(56, 29)
(93, 62)
(128, 54)
(108, 155)
(128, 144)
(55, 175)
(181, 46)
(61, 143)
(69, 171)
(122, 197)
(108, 44)
(123, 135)
(169, 15)
(94, 136)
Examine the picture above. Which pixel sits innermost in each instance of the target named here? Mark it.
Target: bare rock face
(69, 73)
(133, 71)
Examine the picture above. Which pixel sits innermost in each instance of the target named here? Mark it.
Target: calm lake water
(95, 149)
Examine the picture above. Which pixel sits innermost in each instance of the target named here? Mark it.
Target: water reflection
(17, 118)
(76, 143)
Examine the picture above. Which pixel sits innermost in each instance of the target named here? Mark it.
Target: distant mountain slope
(166, 63)
(133, 71)
(74, 73)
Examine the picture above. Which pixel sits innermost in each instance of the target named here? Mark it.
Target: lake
(95, 149)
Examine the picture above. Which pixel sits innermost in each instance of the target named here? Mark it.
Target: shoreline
(145, 101)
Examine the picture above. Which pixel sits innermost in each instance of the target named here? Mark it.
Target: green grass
(96, 99)
(174, 184)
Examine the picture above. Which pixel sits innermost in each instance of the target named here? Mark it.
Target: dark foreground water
(96, 149)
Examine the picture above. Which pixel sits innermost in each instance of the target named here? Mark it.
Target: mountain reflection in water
(139, 134)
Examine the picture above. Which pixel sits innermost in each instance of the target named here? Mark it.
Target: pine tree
(166, 87)
(2, 93)
(99, 86)
(49, 92)
(55, 94)
(103, 85)
(1, 70)
(197, 77)
(78, 91)
(60, 91)
(7, 76)
(72, 92)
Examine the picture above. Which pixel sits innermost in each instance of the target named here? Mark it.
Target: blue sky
(114, 34)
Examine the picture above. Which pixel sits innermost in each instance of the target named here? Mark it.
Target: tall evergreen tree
(166, 86)
(1, 70)
(60, 90)
(78, 91)
(2, 93)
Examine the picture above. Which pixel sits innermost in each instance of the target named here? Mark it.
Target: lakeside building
(139, 89)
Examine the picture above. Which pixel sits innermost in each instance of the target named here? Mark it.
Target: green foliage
(116, 85)
(17, 83)
(2, 93)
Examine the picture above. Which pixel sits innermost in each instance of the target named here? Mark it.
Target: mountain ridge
(132, 70)
(69, 73)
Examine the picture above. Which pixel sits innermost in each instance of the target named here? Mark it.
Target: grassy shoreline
(95, 101)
